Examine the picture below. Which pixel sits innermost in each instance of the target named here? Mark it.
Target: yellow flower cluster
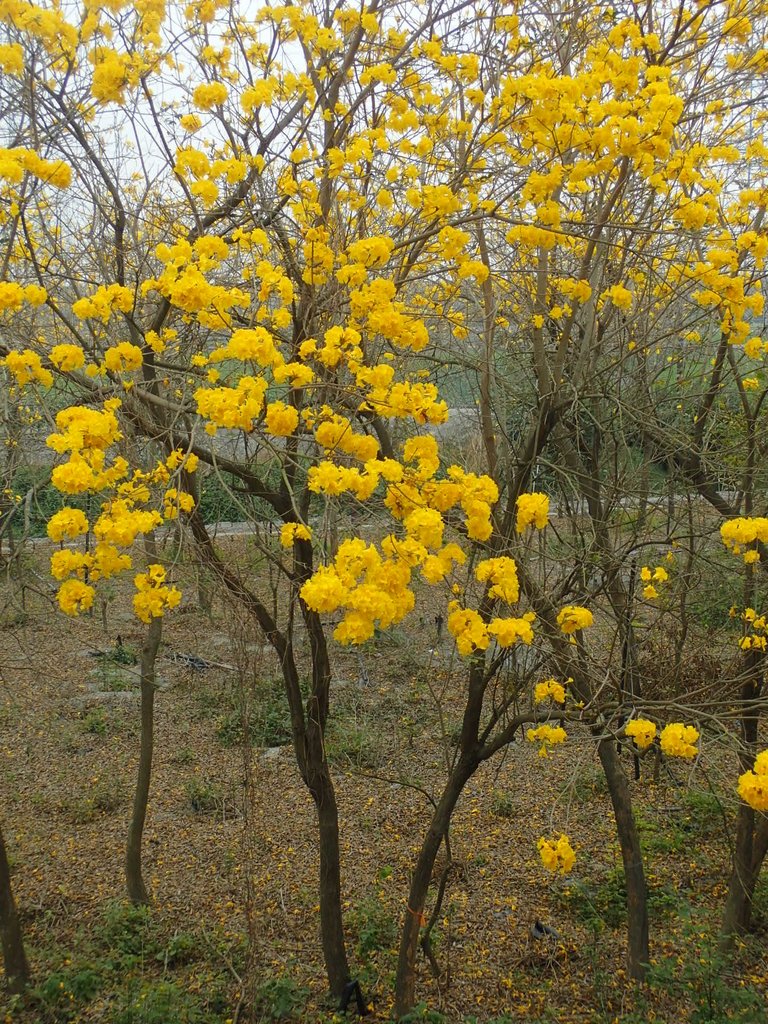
(209, 95)
(13, 296)
(549, 689)
(573, 617)
(175, 501)
(548, 736)
(123, 358)
(502, 574)
(745, 532)
(532, 510)
(86, 433)
(67, 523)
(233, 408)
(103, 303)
(67, 357)
(757, 639)
(75, 597)
(557, 855)
(27, 368)
(291, 532)
(153, 598)
(14, 163)
(373, 590)
(678, 740)
(641, 731)
(753, 785)
(650, 577)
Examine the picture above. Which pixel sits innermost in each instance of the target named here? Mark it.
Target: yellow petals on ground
(678, 740)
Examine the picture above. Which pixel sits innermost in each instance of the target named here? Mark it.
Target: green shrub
(162, 1002)
(374, 927)
(280, 999)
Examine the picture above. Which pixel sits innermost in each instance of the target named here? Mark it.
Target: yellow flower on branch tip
(291, 532)
(557, 855)
(69, 523)
(753, 785)
(67, 357)
(549, 689)
(153, 598)
(532, 510)
(74, 597)
(548, 736)
(123, 358)
(678, 740)
(574, 617)
(281, 419)
(641, 731)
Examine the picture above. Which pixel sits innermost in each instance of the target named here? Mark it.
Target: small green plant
(350, 742)
(423, 1013)
(373, 926)
(503, 804)
(126, 934)
(181, 948)
(204, 796)
(162, 1002)
(598, 904)
(95, 722)
(706, 981)
(63, 991)
(280, 999)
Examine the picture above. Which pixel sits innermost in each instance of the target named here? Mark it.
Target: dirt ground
(232, 933)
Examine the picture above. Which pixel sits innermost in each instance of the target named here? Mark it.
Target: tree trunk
(405, 982)
(738, 904)
(737, 913)
(331, 924)
(634, 875)
(137, 890)
(14, 957)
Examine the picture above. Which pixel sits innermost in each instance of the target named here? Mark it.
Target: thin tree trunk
(737, 913)
(632, 857)
(14, 957)
(331, 924)
(405, 982)
(137, 890)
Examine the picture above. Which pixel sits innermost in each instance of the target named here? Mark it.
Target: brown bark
(632, 857)
(137, 890)
(14, 956)
(405, 981)
(331, 924)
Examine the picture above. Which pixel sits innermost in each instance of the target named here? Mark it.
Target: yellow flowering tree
(298, 227)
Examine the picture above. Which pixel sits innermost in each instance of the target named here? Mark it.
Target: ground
(232, 932)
